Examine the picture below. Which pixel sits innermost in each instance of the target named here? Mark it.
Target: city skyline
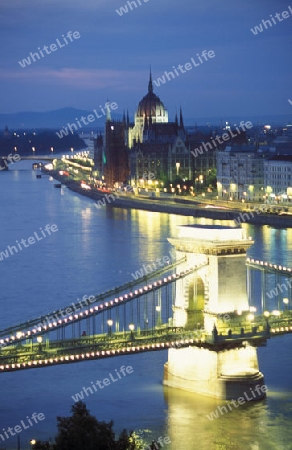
(94, 54)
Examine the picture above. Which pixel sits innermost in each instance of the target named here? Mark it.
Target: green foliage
(162, 177)
(211, 178)
(82, 431)
(126, 442)
(177, 180)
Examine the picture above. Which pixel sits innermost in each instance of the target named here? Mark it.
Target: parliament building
(151, 146)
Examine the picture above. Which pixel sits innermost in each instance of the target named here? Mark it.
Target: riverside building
(240, 173)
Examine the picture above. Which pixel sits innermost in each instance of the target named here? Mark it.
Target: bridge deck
(35, 323)
(19, 351)
(39, 355)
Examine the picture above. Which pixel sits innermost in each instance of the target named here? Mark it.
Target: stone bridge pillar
(218, 286)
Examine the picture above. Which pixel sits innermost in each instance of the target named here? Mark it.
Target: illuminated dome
(152, 106)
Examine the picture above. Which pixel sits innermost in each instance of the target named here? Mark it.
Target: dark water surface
(92, 251)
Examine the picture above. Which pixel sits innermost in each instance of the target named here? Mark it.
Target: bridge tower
(215, 292)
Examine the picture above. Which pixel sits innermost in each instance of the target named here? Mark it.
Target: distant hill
(50, 119)
(58, 118)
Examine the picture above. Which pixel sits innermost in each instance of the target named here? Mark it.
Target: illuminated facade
(156, 146)
(278, 177)
(217, 287)
(150, 110)
(240, 174)
(170, 159)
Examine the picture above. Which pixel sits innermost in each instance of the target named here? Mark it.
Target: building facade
(150, 146)
(115, 164)
(156, 146)
(278, 178)
(161, 159)
(240, 173)
(150, 110)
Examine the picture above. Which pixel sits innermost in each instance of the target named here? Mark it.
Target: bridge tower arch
(217, 287)
(194, 302)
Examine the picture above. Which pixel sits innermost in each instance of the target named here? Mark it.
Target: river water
(93, 250)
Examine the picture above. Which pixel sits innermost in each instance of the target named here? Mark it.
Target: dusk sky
(249, 75)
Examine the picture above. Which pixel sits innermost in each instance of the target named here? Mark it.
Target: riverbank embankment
(176, 206)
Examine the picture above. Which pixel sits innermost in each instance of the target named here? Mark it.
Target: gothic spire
(176, 119)
(108, 114)
(150, 85)
(181, 122)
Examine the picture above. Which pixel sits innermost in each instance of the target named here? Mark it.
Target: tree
(82, 431)
(125, 442)
(211, 179)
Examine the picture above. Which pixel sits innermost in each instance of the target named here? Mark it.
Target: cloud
(78, 78)
(114, 53)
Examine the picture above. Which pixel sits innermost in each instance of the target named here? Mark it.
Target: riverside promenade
(176, 205)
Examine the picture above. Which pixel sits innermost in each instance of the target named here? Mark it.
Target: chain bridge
(203, 300)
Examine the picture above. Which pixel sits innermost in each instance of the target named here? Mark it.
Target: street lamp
(52, 149)
(40, 340)
(286, 303)
(267, 315)
(33, 149)
(32, 442)
(72, 149)
(110, 324)
(19, 334)
(250, 318)
(132, 328)
(177, 167)
(158, 310)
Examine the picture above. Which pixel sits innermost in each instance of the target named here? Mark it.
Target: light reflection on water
(93, 251)
(248, 427)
